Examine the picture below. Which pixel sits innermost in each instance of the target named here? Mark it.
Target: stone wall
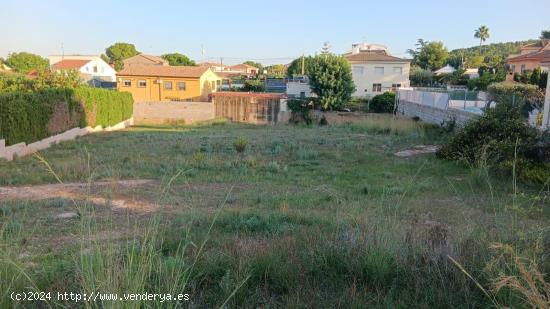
(172, 111)
(22, 149)
(434, 115)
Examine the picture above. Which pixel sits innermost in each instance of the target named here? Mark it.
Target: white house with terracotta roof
(92, 69)
(375, 70)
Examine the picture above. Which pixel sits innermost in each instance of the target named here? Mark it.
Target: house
(168, 83)
(5, 68)
(216, 67)
(472, 73)
(448, 69)
(145, 59)
(298, 87)
(244, 69)
(375, 70)
(92, 69)
(531, 57)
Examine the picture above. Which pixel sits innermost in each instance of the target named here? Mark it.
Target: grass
(312, 217)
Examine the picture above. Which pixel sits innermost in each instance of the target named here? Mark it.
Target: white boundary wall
(22, 149)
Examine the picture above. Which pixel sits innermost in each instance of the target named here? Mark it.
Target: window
(376, 87)
(87, 69)
(302, 94)
(379, 70)
(513, 68)
(95, 68)
(142, 83)
(358, 70)
(168, 85)
(127, 83)
(522, 68)
(213, 85)
(398, 70)
(395, 86)
(181, 86)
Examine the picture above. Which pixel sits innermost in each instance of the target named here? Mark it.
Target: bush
(254, 85)
(502, 137)
(383, 103)
(240, 144)
(24, 116)
(331, 80)
(300, 109)
(31, 116)
(105, 107)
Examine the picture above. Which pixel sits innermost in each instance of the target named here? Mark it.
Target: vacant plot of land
(317, 217)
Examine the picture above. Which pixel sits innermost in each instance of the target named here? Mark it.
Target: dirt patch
(417, 150)
(82, 191)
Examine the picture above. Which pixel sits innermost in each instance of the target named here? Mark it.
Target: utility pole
(303, 70)
(221, 63)
(62, 52)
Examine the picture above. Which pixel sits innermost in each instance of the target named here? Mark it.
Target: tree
(255, 64)
(276, 71)
(120, 51)
(429, 55)
(330, 79)
(178, 59)
(296, 66)
(545, 34)
(420, 77)
(24, 62)
(482, 33)
(474, 62)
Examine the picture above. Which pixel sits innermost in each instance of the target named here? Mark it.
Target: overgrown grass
(317, 217)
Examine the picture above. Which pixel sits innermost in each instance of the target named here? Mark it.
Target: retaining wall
(431, 114)
(172, 111)
(22, 149)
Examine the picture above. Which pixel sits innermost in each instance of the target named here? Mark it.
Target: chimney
(355, 48)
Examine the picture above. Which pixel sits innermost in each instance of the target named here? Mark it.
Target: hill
(493, 54)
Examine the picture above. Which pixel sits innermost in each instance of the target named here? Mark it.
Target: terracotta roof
(373, 56)
(543, 55)
(69, 64)
(157, 59)
(249, 94)
(162, 71)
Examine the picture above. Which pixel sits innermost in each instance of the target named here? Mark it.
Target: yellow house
(168, 83)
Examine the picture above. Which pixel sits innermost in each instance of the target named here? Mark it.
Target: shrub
(502, 137)
(240, 144)
(31, 116)
(526, 96)
(24, 116)
(105, 107)
(254, 85)
(300, 110)
(383, 103)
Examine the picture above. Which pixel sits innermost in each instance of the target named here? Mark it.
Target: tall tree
(482, 33)
(429, 55)
(545, 34)
(178, 59)
(330, 79)
(24, 62)
(295, 67)
(120, 51)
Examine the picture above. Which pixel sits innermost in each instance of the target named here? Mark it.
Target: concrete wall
(167, 111)
(434, 115)
(22, 149)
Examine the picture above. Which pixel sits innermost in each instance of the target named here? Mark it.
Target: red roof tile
(69, 64)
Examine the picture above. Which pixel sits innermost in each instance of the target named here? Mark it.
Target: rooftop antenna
(202, 51)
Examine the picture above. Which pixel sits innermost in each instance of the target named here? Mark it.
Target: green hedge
(105, 107)
(24, 115)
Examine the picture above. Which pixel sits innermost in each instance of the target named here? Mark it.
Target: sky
(265, 31)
